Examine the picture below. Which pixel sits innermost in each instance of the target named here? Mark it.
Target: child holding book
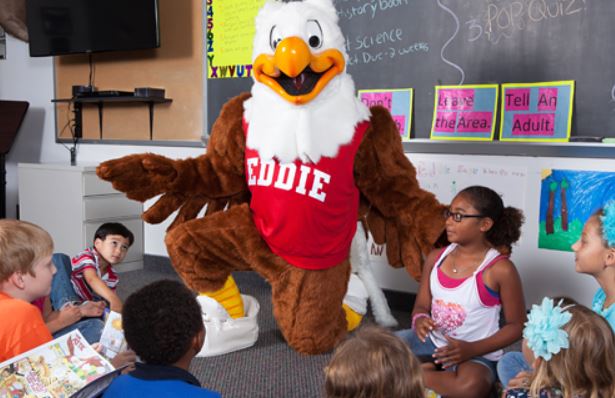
(163, 325)
(26, 271)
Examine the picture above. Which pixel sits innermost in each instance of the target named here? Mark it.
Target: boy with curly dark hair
(163, 325)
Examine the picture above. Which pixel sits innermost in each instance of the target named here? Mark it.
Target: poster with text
(229, 33)
(465, 112)
(536, 111)
(567, 199)
(397, 101)
(446, 178)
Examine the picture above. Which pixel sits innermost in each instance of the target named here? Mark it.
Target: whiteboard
(518, 179)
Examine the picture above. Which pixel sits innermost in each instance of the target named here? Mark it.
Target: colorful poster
(397, 101)
(229, 35)
(59, 368)
(567, 199)
(465, 112)
(536, 111)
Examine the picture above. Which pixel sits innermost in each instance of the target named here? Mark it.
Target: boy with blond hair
(26, 272)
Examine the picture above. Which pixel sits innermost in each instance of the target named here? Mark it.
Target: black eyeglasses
(458, 217)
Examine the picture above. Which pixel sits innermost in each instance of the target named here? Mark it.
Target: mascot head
(303, 103)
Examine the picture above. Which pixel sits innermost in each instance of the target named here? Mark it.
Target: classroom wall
(543, 272)
(31, 79)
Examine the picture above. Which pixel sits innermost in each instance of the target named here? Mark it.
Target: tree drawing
(564, 187)
(549, 221)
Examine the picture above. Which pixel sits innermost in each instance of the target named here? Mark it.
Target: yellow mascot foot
(353, 318)
(229, 297)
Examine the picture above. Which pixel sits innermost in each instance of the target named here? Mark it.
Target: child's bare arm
(505, 276)
(58, 320)
(101, 289)
(422, 304)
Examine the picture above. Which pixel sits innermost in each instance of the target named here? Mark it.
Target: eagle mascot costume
(285, 171)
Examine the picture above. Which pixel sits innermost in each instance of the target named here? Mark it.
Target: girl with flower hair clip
(572, 352)
(595, 256)
(464, 288)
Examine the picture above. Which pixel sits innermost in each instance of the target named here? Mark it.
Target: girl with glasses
(456, 318)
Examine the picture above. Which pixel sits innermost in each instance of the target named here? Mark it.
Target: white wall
(544, 272)
(31, 79)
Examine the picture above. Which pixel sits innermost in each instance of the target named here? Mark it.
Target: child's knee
(475, 386)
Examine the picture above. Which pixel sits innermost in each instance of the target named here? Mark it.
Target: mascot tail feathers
(229, 297)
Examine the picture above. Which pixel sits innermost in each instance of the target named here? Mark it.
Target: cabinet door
(92, 185)
(104, 207)
(135, 225)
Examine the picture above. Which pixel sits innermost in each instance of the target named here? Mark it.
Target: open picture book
(112, 339)
(60, 368)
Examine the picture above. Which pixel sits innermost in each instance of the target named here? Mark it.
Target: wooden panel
(177, 66)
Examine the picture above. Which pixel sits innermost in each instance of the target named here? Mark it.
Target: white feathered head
(303, 102)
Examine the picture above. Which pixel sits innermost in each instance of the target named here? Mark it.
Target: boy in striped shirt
(92, 276)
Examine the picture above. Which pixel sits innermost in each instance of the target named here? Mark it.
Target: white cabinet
(71, 202)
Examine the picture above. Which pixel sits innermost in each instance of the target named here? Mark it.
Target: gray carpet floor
(270, 368)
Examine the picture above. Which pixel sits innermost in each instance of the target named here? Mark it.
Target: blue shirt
(598, 307)
(158, 381)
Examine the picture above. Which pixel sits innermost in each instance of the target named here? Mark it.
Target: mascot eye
(314, 33)
(274, 38)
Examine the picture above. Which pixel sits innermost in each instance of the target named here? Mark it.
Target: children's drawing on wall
(567, 199)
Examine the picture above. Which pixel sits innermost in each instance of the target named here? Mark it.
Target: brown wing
(215, 179)
(401, 214)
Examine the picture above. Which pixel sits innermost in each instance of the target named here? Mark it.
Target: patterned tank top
(459, 312)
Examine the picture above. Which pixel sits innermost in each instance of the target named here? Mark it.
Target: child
(163, 325)
(594, 255)
(93, 276)
(61, 309)
(373, 363)
(456, 315)
(572, 352)
(26, 271)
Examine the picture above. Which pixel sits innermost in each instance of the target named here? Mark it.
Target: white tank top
(459, 312)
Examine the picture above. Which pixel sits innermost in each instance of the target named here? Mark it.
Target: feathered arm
(214, 178)
(410, 218)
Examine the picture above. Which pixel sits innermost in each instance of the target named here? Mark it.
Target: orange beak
(295, 73)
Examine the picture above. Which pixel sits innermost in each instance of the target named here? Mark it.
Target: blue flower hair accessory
(543, 329)
(608, 223)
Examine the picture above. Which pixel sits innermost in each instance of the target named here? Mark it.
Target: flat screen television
(58, 27)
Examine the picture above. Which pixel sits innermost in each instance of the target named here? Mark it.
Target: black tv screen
(57, 27)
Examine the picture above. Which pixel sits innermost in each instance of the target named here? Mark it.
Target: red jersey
(306, 212)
